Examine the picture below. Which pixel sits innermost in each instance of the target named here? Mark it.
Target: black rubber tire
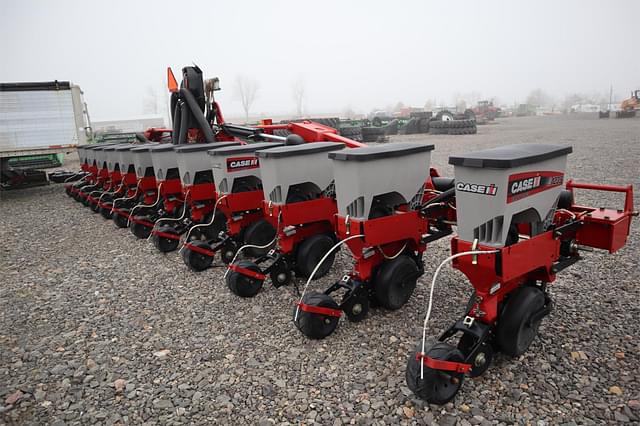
(437, 387)
(395, 282)
(392, 127)
(483, 358)
(356, 308)
(258, 233)
(228, 252)
(242, 285)
(197, 261)
(164, 244)
(515, 333)
(372, 134)
(119, 220)
(565, 199)
(412, 127)
(316, 326)
(105, 212)
(281, 275)
(310, 252)
(444, 116)
(95, 207)
(141, 231)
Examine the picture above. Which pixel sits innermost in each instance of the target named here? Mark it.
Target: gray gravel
(97, 327)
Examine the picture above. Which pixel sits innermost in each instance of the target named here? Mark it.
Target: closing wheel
(280, 274)
(482, 358)
(119, 219)
(140, 230)
(436, 386)
(105, 211)
(518, 324)
(196, 260)
(395, 281)
(355, 306)
(166, 244)
(311, 251)
(241, 284)
(258, 233)
(94, 206)
(228, 251)
(313, 325)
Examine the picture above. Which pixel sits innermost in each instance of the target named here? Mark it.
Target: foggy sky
(358, 54)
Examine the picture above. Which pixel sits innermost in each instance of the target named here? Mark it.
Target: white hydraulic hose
(145, 205)
(127, 198)
(72, 176)
(338, 244)
(433, 284)
(395, 255)
(171, 219)
(112, 192)
(200, 225)
(246, 246)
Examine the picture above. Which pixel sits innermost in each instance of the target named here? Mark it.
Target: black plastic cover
(507, 157)
(197, 147)
(243, 149)
(305, 149)
(379, 152)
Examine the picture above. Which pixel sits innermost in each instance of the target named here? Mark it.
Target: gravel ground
(97, 327)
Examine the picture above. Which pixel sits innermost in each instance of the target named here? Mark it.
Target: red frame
(494, 276)
(309, 218)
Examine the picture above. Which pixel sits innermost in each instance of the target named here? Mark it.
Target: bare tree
(246, 91)
(299, 94)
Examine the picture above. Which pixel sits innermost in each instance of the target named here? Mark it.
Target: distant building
(135, 124)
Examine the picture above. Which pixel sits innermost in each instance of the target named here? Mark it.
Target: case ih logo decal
(476, 188)
(523, 185)
(242, 163)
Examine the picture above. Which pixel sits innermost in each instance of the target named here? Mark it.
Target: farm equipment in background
(629, 106)
(386, 216)
(517, 229)
(39, 123)
(484, 111)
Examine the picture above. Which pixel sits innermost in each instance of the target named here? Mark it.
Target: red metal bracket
(320, 310)
(437, 364)
(248, 272)
(141, 222)
(200, 250)
(165, 235)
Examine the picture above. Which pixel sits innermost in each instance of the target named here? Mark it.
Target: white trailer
(36, 119)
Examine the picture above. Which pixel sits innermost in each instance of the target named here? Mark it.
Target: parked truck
(39, 122)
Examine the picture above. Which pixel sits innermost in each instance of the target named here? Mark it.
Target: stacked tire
(453, 127)
(373, 134)
(351, 132)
